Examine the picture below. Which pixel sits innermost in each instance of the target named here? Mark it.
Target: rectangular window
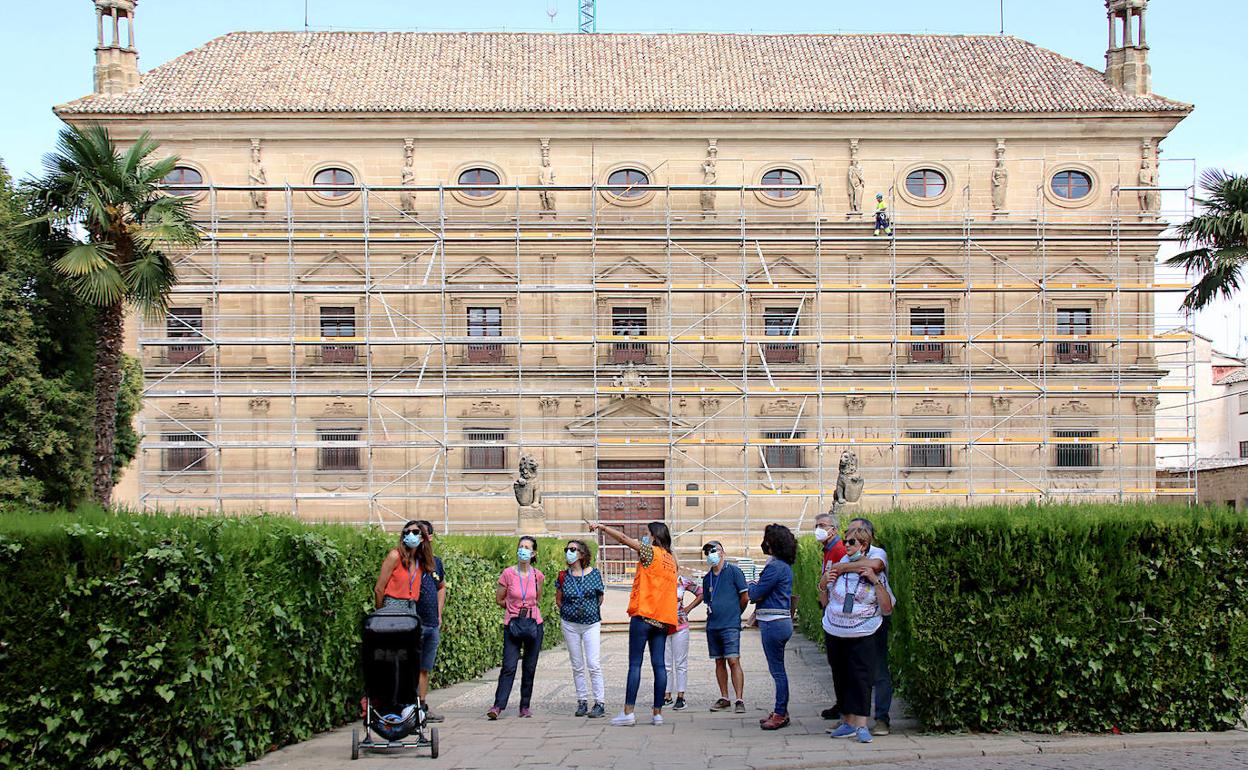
(927, 455)
(485, 322)
(629, 322)
(338, 322)
(1073, 321)
(187, 458)
(781, 322)
(184, 323)
(927, 322)
(784, 455)
(1075, 454)
(486, 451)
(1243, 403)
(338, 458)
(1243, 449)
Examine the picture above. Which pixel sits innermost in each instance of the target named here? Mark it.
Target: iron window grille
(338, 458)
(185, 458)
(184, 323)
(485, 322)
(1075, 455)
(927, 455)
(780, 322)
(629, 322)
(1074, 321)
(486, 451)
(338, 322)
(784, 455)
(927, 322)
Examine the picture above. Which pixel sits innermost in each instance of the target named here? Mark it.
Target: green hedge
(1060, 617)
(170, 641)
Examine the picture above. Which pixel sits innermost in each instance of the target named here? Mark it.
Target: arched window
(1071, 185)
(333, 176)
(781, 176)
(182, 175)
(628, 183)
(479, 176)
(925, 183)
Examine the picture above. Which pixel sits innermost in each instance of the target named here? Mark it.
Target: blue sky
(48, 50)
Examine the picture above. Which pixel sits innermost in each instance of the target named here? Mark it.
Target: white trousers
(584, 642)
(678, 661)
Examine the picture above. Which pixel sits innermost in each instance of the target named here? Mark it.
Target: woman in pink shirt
(678, 643)
(518, 593)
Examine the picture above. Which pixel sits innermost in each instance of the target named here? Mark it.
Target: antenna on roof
(1001, 15)
(552, 8)
(305, 15)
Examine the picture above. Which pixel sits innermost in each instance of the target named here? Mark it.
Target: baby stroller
(390, 652)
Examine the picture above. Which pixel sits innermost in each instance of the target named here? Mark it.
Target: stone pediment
(929, 270)
(1078, 271)
(333, 268)
(631, 270)
(781, 270)
(629, 416)
(481, 270)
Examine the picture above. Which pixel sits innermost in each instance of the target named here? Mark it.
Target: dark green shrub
(1065, 617)
(173, 641)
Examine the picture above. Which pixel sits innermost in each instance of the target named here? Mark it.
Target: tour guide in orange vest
(652, 607)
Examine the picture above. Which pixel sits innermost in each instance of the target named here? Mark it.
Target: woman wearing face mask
(857, 600)
(579, 592)
(772, 596)
(399, 581)
(429, 607)
(652, 609)
(519, 590)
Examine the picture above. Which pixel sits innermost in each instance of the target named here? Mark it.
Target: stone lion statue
(525, 487)
(849, 482)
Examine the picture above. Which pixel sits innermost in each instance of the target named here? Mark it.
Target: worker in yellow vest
(881, 216)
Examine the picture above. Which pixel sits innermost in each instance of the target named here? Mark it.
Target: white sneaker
(656, 720)
(624, 720)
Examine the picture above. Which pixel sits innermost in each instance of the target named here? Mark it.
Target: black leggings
(853, 671)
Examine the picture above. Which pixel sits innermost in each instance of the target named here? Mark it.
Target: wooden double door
(629, 513)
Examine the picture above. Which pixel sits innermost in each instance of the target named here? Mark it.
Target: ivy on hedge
(179, 642)
(1050, 618)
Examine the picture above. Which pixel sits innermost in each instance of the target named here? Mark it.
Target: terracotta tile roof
(458, 72)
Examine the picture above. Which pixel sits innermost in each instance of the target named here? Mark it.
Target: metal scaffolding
(702, 354)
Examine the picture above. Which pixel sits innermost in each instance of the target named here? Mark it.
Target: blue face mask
(411, 540)
(571, 556)
(645, 540)
(524, 554)
(857, 556)
(712, 558)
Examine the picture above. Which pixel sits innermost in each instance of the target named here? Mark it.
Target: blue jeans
(776, 634)
(641, 634)
(883, 680)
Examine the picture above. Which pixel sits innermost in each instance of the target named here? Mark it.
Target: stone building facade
(651, 263)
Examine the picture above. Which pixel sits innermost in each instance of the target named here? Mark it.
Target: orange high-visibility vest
(654, 590)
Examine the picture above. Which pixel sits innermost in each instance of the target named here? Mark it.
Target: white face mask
(822, 534)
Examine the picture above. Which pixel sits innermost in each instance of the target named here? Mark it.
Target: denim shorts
(724, 642)
(429, 639)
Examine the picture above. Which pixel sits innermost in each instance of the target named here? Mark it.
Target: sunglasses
(573, 549)
(852, 541)
(411, 532)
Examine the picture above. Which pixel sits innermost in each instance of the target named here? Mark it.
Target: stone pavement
(697, 738)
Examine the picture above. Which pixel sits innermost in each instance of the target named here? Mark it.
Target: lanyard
(524, 586)
(848, 606)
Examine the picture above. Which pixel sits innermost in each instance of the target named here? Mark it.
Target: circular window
(182, 175)
(333, 177)
(1071, 185)
(628, 183)
(479, 176)
(779, 177)
(926, 183)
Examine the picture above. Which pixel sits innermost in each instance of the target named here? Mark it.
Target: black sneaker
(582, 708)
(740, 707)
(680, 705)
(598, 711)
(831, 713)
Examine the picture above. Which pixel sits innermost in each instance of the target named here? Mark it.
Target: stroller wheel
(355, 743)
(433, 742)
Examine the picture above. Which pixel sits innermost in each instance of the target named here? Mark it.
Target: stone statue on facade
(546, 178)
(532, 516)
(709, 176)
(849, 483)
(1150, 199)
(855, 180)
(256, 178)
(407, 178)
(1000, 180)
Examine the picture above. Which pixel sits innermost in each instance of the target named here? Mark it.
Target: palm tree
(1221, 233)
(101, 215)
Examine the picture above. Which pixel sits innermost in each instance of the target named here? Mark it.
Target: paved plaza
(697, 738)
